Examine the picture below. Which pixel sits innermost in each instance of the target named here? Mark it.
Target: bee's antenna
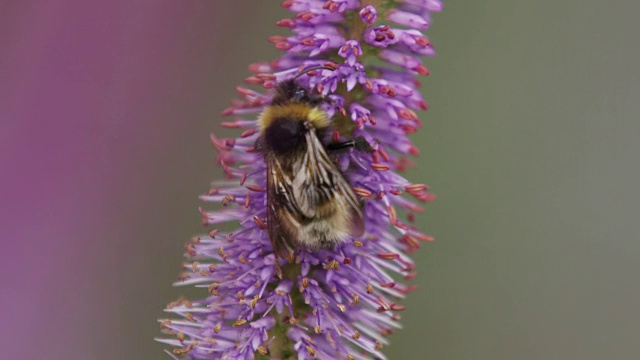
(319, 67)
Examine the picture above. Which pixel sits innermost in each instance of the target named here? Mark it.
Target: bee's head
(299, 94)
(290, 91)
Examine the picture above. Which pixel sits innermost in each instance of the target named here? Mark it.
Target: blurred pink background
(106, 109)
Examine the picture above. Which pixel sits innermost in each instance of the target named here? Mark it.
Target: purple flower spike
(329, 303)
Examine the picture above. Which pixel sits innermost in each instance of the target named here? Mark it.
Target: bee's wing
(319, 181)
(311, 189)
(281, 225)
(349, 199)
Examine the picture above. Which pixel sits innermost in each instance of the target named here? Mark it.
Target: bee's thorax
(286, 135)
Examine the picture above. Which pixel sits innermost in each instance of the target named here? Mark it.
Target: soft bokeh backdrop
(530, 143)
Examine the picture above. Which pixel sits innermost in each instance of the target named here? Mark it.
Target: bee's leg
(359, 143)
(330, 101)
(323, 99)
(341, 146)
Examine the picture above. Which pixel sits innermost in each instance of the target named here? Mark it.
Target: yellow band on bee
(295, 111)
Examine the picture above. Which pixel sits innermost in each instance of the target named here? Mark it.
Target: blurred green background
(530, 144)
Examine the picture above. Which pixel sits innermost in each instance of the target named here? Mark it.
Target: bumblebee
(309, 201)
